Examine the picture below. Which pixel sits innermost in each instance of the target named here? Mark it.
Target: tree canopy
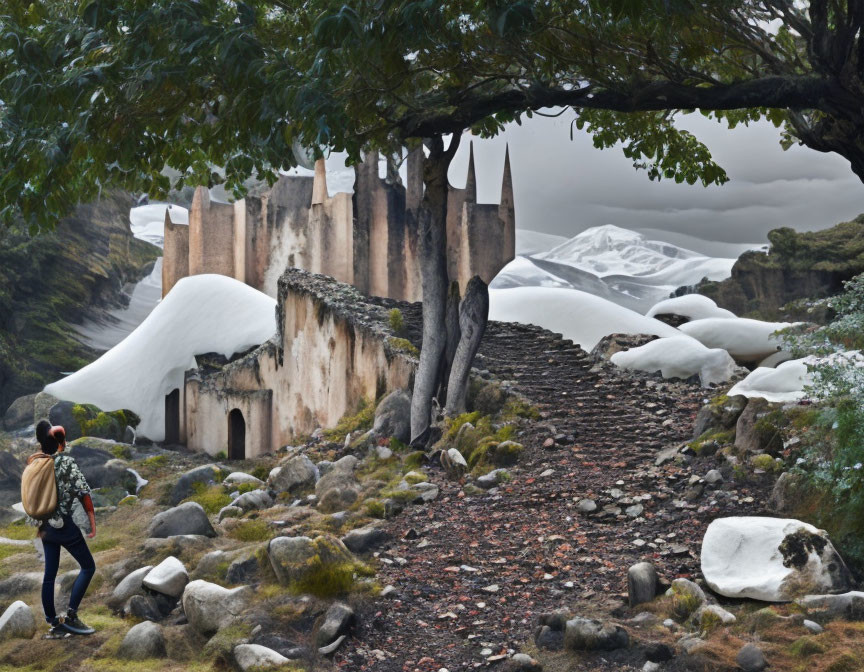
(101, 93)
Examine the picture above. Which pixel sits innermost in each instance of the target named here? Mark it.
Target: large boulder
(758, 429)
(20, 412)
(99, 466)
(364, 539)
(295, 473)
(338, 620)
(257, 657)
(143, 641)
(17, 622)
(242, 478)
(129, 586)
(11, 469)
(338, 489)
(185, 485)
(18, 584)
(253, 500)
(393, 417)
(210, 607)
(585, 634)
(62, 413)
(846, 605)
(188, 518)
(770, 559)
(295, 559)
(719, 414)
(42, 404)
(169, 577)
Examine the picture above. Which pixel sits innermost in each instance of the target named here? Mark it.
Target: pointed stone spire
(471, 182)
(507, 182)
(319, 185)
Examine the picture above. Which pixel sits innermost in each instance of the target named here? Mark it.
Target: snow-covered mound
(610, 250)
(691, 306)
(784, 384)
(579, 316)
(679, 357)
(148, 221)
(745, 339)
(534, 242)
(201, 314)
(522, 272)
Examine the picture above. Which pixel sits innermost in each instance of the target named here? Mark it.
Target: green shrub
(397, 324)
(360, 421)
(252, 530)
(403, 345)
(211, 499)
(261, 472)
(221, 455)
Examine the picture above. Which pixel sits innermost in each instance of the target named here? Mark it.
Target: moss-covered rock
(323, 566)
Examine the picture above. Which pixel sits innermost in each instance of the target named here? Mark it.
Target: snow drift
(678, 357)
(579, 316)
(201, 314)
(691, 306)
(784, 384)
(745, 339)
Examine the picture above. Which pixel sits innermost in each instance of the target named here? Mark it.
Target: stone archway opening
(172, 417)
(236, 435)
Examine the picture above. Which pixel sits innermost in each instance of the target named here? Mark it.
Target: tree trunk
(451, 323)
(432, 225)
(473, 316)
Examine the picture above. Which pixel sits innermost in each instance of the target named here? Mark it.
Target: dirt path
(472, 574)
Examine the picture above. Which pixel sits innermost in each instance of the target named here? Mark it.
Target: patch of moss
(359, 421)
(155, 461)
(18, 530)
(221, 455)
(766, 463)
(769, 430)
(415, 477)
(684, 602)
(399, 495)
(261, 472)
(517, 407)
(328, 580)
(414, 460)
(211, 499)
(374, 508)
(243, 488)
(252, 530)
(711, 440)
(221, 645)
(806, 646)
(403, 345)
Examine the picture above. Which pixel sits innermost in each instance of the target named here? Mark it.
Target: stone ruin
(368, 239)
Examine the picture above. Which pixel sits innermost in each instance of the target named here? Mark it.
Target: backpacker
(39, 487)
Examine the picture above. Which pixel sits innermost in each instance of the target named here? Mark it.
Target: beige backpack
(39, 487)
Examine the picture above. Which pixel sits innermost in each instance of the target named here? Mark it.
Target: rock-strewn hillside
(798, 266)
(50, 281)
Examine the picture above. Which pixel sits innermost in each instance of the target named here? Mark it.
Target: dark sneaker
(74, 626)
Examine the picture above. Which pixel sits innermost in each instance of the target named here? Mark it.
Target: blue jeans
(69, 537)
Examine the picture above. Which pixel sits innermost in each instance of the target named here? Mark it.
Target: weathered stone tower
(368, 240)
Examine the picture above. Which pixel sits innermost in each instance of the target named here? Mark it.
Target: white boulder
(678, 357)
(770, 559)
(169, 577)
(210, 607)
(783, 384)
(17, 622)
(240, 477)
(691, 306)
(745, 339)
(257, 657)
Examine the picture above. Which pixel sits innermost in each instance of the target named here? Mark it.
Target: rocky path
(472, 573)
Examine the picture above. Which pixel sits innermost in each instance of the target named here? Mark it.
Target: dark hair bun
(46, 440)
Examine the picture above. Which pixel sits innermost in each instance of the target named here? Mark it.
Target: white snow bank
(679, 357)
(522, 272)
(533, 242)
(201, 314)
(579, 316)
(745, 339)
(691, 306)
(783, 384)
(148, 221)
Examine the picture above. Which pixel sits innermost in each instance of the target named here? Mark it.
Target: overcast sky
(564, 187)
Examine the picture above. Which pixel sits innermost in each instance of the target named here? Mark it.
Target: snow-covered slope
(577, 315)
(148, 221)
(201, 314)
(691, 306)
(745, 339)
(534, 242)
(679, 357)
(620, 265)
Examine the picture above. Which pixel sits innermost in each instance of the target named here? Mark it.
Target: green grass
(252, 530)
(155, 461)
(403, 345)
(211, 499)
(18, 530)
(7, 550)
(359, 421)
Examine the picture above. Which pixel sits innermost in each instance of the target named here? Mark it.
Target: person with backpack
(48, 502)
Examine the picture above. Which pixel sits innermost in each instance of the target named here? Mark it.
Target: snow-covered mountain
(617, 264)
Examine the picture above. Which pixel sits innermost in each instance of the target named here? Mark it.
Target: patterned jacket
(71, 485)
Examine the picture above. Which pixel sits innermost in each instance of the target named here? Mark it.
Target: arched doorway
(172, 417)
(236, 435)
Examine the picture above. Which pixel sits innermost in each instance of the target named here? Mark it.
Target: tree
(107, 93)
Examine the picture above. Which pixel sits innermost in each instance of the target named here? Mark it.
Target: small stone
(641, 583)
(256, 657)
(522, 662)
(813, 627)
(587, 506)
(338, 619)
(713, 477)
(144, 640)
(493, 588)
(634, 511)
(751, 659)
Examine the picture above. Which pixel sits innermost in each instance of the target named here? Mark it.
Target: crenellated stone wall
(332, 350)
(369, 240)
